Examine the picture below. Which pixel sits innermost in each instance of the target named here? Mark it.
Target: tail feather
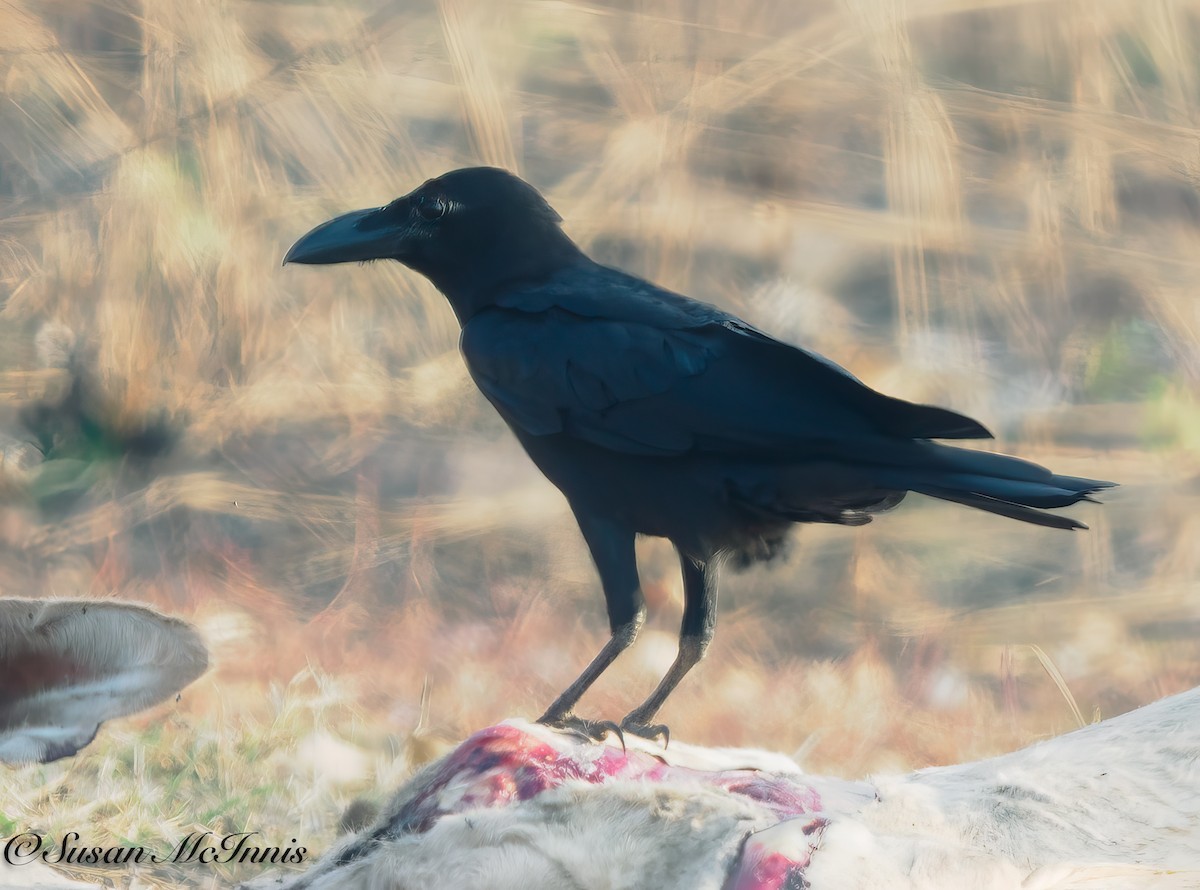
(1011, 509)
(997, 483)
(1030, 494)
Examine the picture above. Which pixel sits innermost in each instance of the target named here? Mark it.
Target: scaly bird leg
(612, 550)
(696, 632)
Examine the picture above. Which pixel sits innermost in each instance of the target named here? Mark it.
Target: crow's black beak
(349, 238)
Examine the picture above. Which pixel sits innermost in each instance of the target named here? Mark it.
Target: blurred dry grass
(989, 204)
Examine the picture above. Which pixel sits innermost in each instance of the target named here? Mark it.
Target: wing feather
(629, 367)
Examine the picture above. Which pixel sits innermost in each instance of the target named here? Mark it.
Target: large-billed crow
(656, 414)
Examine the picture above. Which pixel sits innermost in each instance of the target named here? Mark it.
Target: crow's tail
(997, 483)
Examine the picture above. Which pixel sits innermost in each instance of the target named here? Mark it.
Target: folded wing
(643, 371)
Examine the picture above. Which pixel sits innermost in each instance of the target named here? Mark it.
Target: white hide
(66, 666)
(1114, 805)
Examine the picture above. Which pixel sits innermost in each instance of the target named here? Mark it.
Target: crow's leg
(611, 545)
(699, 620)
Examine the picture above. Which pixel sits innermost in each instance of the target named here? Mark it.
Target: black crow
(656, 414)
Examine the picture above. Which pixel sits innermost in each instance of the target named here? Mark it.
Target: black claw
(649, 731)
(588, 730)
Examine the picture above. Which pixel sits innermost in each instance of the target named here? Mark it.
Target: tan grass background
(988, 204)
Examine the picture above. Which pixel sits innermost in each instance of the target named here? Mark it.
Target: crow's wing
(614, 361)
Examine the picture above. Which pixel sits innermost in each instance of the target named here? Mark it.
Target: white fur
(1123, 792)
(35, 874)
(122, 658)
(1115, 805)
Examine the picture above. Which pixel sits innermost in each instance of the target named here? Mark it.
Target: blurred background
(986, 204)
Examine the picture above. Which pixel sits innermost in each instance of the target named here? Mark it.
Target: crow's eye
(431, 208)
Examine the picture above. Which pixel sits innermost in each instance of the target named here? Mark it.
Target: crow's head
(470, 232)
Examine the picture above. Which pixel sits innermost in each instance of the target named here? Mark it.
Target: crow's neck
(500, 265)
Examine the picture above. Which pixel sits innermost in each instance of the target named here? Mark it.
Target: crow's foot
(650, 731)
(588, 730)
